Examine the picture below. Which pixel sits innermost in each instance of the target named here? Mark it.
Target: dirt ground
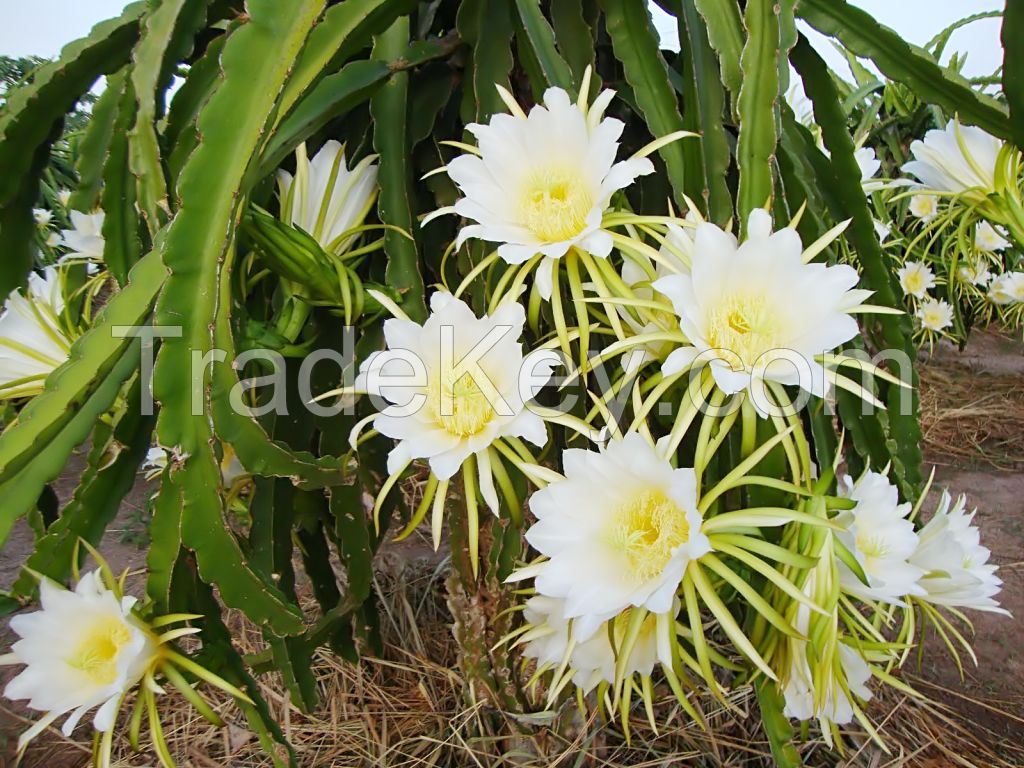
(976, 443)
(983, 457)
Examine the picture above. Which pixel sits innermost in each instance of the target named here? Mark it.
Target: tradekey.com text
(780, 383)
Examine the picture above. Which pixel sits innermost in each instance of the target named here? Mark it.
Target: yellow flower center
(932, 318)
(646, 530)
(745, 327)
(96, 655)
(914, 282)
(555, 205)
(459, 406)
(923, 206)
(871, 546)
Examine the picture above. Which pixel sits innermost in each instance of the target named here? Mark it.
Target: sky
(42, 27)
(917, 21)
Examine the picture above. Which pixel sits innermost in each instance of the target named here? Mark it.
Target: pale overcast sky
(918, 21)
(41, 27)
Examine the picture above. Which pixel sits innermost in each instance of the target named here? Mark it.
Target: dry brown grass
(972, 417)
(406, 709)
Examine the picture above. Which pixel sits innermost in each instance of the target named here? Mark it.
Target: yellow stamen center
(459, 406)
(646, 530)
(932, 318)
(914, 282)
(871, 546)
(96, 655)
(555, 205)
(923, 206)
(745, 327)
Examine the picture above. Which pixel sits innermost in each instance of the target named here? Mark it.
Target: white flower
(955, 565)
(85, 240)
(64, 197)
(592, 659)
(800, 693)
(957, 159)
(751, 308)
(53, 240)
(42, 216)
(677, 249)
(924, 207)
(803, 700)
(637, 272)
(620, 531)
(542, 182)
(455, 384)
(1008, 288)
(325, 198)
(83, 649)
(935, 315)
(975, 273)
(989, 238)
(881, 538)
(869, 165)
(916, 278)
(675, 252)
(32, 341)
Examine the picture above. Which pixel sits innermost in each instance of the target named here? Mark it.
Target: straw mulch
(972, 417)
(408, 709)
